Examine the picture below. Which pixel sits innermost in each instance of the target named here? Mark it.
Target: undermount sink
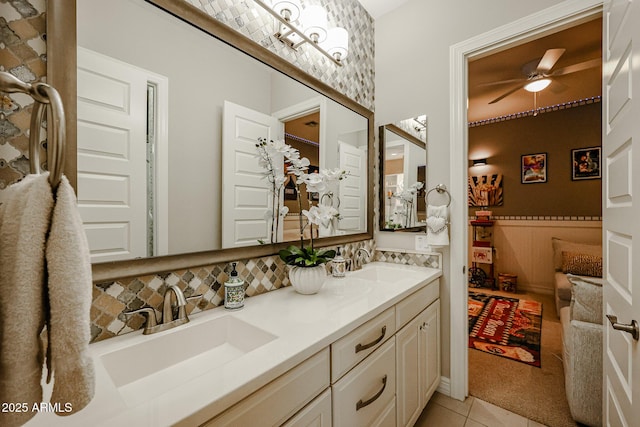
(378, 272)
(161, 362)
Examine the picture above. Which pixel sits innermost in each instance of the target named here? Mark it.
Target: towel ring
(43, 95)
(440, 188)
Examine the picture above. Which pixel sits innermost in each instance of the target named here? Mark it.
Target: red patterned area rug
(507, 327)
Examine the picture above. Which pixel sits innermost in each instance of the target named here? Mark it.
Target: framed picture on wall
(534, 168)
(585, 163)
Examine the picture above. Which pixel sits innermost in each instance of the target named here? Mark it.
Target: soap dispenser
(338, 265)
(234, 291)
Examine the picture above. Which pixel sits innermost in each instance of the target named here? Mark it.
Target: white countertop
(302, 325)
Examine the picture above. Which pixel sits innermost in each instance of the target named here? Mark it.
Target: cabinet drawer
(409, 307)
(315, 414)
(359, 343)
(276, 402)
(364, 394)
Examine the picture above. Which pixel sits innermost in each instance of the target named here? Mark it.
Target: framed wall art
(534, 168)
(585, 163)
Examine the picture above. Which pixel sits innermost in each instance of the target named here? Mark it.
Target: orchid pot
(307, 280)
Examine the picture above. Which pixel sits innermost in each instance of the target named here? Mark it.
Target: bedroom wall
(555, 133)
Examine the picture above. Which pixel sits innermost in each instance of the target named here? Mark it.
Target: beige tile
(494, 416)
(535, 424)
(472, 423)
(455, 405)
(436, 415)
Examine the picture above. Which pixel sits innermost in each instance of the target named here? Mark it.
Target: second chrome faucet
(168, 319)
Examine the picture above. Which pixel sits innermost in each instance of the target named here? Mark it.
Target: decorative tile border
(112, 299)
(541, 218)
(541, 110)
(433, 260)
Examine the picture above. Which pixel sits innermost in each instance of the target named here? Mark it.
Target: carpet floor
(535, 393)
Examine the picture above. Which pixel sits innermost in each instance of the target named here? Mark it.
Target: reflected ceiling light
(296, 26)
(537, 85)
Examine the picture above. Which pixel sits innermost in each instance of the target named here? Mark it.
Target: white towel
(24, 221)
(37, 270)
(437, 226)
(70, 294)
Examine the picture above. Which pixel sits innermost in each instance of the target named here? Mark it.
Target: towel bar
(440, 188)
(43, 95)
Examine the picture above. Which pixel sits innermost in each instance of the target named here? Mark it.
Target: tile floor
(443, 411)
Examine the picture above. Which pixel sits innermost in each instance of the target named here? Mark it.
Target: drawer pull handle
(362, 347)
(361, 404)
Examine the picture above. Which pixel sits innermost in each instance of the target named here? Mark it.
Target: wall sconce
(296, 26)
(479, 162)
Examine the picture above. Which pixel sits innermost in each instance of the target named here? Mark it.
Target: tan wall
(555, 133)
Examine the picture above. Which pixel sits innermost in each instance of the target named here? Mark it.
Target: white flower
(315, 182)
(321, 215)
(331, 175)
(417, 186)
(284, 210)
(268, 215)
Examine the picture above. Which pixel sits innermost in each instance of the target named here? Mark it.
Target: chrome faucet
(167, 319)
(358, 261)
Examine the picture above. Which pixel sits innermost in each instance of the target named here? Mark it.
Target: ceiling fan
(538, 73)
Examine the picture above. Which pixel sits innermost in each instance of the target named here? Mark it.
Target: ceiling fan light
(537, 85)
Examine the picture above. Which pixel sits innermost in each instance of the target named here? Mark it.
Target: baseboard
(544, 290)
(445, 386)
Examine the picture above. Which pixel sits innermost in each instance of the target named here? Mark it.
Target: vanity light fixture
(296, 26)
(479, 162)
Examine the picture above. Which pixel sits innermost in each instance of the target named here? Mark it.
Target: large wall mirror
(403, 180)
(167, 162)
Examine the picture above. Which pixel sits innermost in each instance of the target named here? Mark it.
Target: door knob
(631, 328)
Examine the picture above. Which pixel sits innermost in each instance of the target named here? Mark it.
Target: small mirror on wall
(403, 178)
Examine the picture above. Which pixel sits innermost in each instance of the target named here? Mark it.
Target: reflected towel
(24, 221)
(437, 226)
(70, 294)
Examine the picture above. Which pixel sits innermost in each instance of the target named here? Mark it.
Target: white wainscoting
(524, 248)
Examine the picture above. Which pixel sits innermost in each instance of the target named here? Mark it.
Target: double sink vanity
(364, 350)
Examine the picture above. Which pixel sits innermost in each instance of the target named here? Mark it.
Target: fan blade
(549, 59)
(557, 87)
(501, 82)
(577, 67)
(509, 92)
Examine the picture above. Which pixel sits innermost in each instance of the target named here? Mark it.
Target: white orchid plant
(406, 198)
(319, 215)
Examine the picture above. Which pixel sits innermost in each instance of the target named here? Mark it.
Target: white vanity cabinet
(276, 402)
(380, 373)
(417, 363)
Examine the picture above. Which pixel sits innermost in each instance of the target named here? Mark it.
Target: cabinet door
(408, 390)
(429, 351)
(315, 414)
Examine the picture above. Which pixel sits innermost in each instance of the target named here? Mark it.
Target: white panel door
(112, 191)
(621, 152)
(246, 197)
(353, 195)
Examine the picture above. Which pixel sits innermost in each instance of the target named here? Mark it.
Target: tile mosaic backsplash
(112, 299)
(433, 260)
(23, 53)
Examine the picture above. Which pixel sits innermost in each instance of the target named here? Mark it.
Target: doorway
(547, 21)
